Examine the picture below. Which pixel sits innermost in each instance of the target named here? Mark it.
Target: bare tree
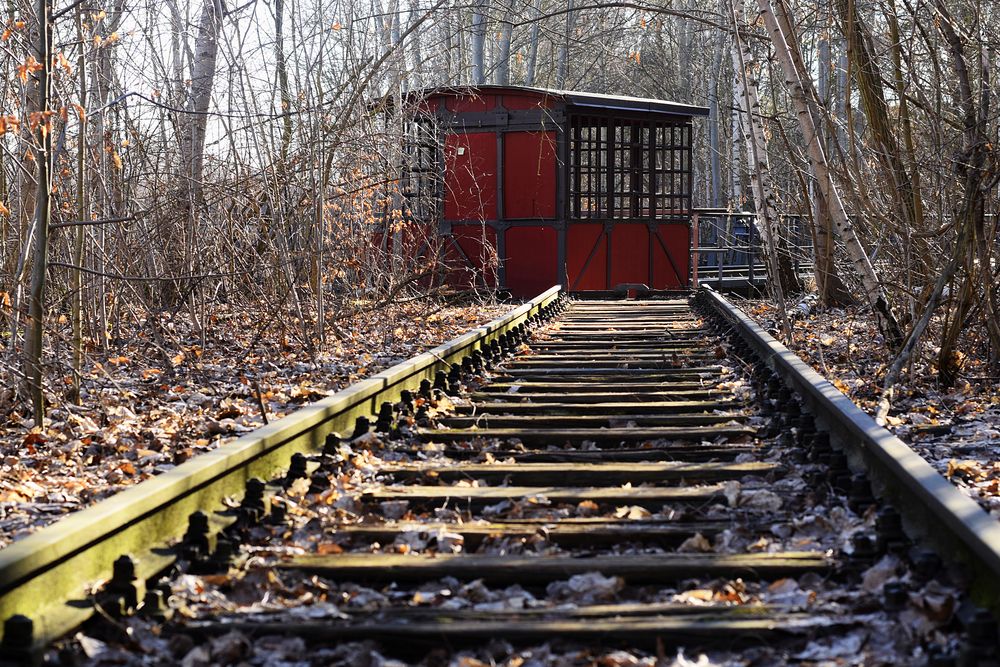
(33, 373)
(479, 42)
(532, 61)
(760, 171)
(562, 60)
(798, 83)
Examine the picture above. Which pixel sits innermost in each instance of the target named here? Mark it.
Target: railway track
(584, 480)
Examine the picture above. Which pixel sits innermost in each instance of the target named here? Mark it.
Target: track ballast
(617, 486)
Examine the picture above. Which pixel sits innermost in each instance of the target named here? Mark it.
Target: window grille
(623, 169)
(422, 172)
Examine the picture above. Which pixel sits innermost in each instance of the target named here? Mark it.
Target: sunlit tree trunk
(83, 214)
(502, 69)
(192, 127)
(714, 149)
(281, 70)
(760, 171)
(832, 291)
(798, 82)
(479, 42)
(562, 60)
(42, 150)
(532, 61)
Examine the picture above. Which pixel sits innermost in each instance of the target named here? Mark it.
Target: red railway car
(532, 187)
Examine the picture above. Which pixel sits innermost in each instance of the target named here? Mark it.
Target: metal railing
(726, 247)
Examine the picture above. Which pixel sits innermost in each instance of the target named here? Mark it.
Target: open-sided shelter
(532, 187)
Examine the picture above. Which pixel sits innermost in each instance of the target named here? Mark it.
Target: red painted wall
(470, 168)
(529, 175)
(630, 251)
(530, 260)
(464, 103)
(675, 239)
(585, 240)
(524, 102)
(477, 261)
(629, 255)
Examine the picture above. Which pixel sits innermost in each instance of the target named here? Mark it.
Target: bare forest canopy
(175, 155)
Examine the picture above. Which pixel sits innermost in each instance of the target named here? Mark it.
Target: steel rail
(49, 576)
(933, 509)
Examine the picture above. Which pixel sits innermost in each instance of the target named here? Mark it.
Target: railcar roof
(575, 98)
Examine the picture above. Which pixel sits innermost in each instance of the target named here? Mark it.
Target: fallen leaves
(588, 588)
(697, 543)
(953, 428)
(145, 408)
(632, 513)
(971, 470)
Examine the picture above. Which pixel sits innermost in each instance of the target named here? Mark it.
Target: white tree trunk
(502, 68)
(536, 15)
(194, 122)
(479, 42)
(562, 61)
(798, 82)
(416, 72)
(715, 158)
(33, 373)
(760, 171)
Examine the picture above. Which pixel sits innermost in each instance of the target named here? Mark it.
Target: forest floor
(167, 393)
(158, 399)
(956, 429)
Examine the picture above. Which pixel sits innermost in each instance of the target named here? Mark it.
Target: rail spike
(385, 418)
(361, 427)
(297, 469)
(17, 646)
(197, 543)
(425, 388)
(121, 594)
(331, 446)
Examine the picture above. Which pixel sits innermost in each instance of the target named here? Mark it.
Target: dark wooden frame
(618, 166)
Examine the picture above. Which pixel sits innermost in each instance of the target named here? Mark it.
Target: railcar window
(422, 181)
(624, 169)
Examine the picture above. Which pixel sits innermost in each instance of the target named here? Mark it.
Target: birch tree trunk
(103, 76)
(33, 373)
(479, 42)
(760, 171)
(416, 73)
(762, 183)
(281, 71)
(452, 52)
(562, 60)
(715, 160)
(736, 197)
(192, 126)
(82, 213)
(502, 68)
(536, 15)
(798, 83)
(195, 121)
(832, 290)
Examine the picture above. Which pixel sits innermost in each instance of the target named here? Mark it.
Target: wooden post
(694, 250)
